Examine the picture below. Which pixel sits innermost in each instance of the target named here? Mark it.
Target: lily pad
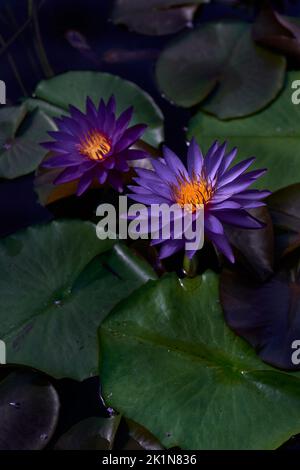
(57, 283)
(284, 206)
(20, 135)
(155, 17)
(29, 408)
(255, 246)
(54, 96)
(169, 361)
(102, 433)
(90, 434)
(278, 32)
(210, 59)
(272, 136)
(265, 314)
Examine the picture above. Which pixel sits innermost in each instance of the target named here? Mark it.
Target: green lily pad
(54, 96)
(272, 136)
(169, 362)
(155, 17)
(210, 59)
(57, 283)
(20, 135)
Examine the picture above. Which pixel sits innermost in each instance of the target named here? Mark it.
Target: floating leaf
(90, 434)
(168, 361)
(55, 291)
(142, 436)
(28, 412)
(155, 17)
(256, 246)
(280, 33)
(272, 136)
(20, 135)
(212, 58)
(267, 315)
(100, 434)
(54, 96)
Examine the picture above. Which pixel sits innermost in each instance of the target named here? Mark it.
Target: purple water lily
(94, 145)
(207, 181)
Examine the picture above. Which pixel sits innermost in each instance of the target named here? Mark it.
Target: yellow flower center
(193, 193)
(94, 145)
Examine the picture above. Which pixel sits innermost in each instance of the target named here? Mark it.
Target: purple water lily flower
(208, 181)
(94, 145)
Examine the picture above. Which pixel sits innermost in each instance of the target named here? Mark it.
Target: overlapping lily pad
(102, 433)
(54, 96)
(278, 32)
(272, 136)
(266, 314)
(57, 283)
(28, 411)
(20, 135)
(284, 206)
(255, 246)
(220, 61)
(155, 17)
(169, 362)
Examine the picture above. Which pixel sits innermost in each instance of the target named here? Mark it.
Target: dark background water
(102, 47)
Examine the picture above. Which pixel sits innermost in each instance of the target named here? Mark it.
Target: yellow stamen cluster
(193, 193)
(94, 145)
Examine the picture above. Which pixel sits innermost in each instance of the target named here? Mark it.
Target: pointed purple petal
(130, 136)
(213, 224)
(241, 183)
(84, 182)
(163, 172)
(235, 171)
(174, 163)
(139, 190)
(240, 218)
(91, 110)
(254, 194)
(215, 161)
(227, 160)
(224, 205)
(170, 247)
(149, 199)
(61, 161)
(221, 243)
(101, 174)
(122, 122)
(149, 175)
(111, 105)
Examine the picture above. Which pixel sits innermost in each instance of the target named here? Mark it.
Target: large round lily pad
(169, 362)
(55, 95)
(57, 283)
(221, 58)
(272, 136)
(20, 135)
